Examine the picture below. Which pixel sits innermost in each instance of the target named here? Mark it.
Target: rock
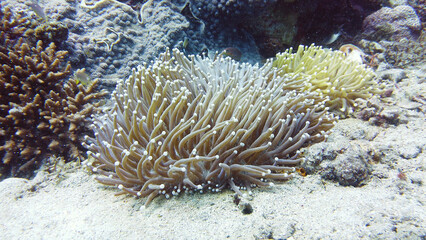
(410, 151)
(394, 74)
(246, 208)
(392, 24)
(13, 187)
(48, 32)
(318, 153)
(350, 168)
(394, 3)
(371, 46)
(355, 129)
(383, 66)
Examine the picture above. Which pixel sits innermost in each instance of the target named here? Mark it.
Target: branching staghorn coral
(328, 72)
(183, 125)
(40, 113)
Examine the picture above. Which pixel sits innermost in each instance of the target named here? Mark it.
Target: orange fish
(353, 52)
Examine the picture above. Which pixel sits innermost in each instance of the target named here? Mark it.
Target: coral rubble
(406, 52)
(40, 112)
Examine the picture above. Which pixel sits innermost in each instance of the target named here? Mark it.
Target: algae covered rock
(55, 32)
(392, 24)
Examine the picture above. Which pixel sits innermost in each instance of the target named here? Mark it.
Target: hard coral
(48, 32)
(184, 125)
(330, 73)
(276, 25)
(392, 24)
(12, 27)
(39, 113)
(405, 52)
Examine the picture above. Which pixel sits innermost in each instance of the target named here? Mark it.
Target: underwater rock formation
(350, 168)
(116, 34)
(393, 24)
(419, 6)
(40, 112)
(48, 32)
(405, 52)
(196, 124)
(278, 25)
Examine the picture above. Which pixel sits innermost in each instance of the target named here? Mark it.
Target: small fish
(339, 32)
(353, 53)
(88, 53)
(81, 76)
(333, 38)
(39, 11)
(185, 42)
(232, 52)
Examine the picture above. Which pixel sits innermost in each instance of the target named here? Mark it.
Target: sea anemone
(194, 124)
(328, 72)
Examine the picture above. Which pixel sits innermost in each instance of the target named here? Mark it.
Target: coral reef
(406, 52)
(114, 32)
(396, 23)
(40, 112)
(118, 33)
(419, 7)
(277, 25)
(55, 32)
(184, 125)
(89, 28)
(328, 72)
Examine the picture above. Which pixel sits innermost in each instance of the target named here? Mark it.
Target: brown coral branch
(39, 115)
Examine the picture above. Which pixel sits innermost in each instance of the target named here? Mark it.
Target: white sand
(304, 208)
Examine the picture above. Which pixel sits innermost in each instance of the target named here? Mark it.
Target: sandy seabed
(303, 208)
